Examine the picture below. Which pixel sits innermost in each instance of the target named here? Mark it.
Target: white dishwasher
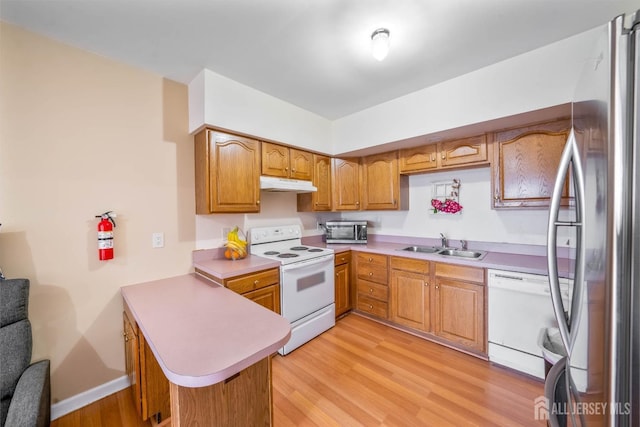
(519, 306)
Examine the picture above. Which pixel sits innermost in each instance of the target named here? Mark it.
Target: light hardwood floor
(362, 373)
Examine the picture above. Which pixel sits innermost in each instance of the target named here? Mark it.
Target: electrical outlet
(157, 240)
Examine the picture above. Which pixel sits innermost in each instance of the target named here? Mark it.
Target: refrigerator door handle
(570, 160)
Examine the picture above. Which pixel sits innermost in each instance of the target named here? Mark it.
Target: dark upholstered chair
(25, 388)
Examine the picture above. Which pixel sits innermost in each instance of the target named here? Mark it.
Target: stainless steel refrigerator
(596, 378)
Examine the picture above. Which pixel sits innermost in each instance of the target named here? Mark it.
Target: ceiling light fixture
(380, 43)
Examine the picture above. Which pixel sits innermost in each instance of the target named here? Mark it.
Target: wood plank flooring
(362, 373)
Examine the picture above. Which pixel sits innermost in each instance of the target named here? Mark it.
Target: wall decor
(445, 197)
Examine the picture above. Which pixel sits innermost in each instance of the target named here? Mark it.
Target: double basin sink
(448, 252)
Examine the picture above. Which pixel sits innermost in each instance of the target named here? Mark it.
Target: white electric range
(307, 291)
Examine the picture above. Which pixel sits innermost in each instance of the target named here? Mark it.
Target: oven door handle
(305, 264)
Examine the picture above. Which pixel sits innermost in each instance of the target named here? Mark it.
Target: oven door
(306, 287)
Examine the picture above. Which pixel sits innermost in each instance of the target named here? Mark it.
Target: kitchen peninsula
(212, 345)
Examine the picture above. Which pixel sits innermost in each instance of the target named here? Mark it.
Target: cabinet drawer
(409, 264)
(254, 281)
(364, 258)
(373, 273)
(461, 272)
(343, 258)
(373, 290)
(372, 306)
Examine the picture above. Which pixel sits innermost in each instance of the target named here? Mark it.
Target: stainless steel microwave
(345, 231)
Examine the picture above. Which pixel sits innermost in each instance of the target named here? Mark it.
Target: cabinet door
(154, 385)
(275, 160)
(418, 159)
(409, 301)
(320, 200)
(132, 362)
(525, 165)
(268, 297)
(342, 289)
(468, 151)
(234, 173)
(380, 182)
(244, 399)
(346, 182)
(460, 313)
(301, 164)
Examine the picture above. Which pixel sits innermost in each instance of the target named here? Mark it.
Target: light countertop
(202, 333)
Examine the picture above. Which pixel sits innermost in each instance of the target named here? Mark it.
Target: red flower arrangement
(448, 206)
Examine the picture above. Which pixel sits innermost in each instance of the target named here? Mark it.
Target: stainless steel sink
(421, 249)
(477, 255)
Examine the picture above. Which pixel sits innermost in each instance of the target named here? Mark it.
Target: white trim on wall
(87, 397)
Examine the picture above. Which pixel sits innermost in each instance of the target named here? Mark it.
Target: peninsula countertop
(201, 333)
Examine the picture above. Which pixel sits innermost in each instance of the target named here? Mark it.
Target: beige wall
(81, 134)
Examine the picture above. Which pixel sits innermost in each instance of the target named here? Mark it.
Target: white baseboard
(86, 397)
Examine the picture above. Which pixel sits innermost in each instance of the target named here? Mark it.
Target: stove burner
(316, 250)
(287, 255)
(271, 253)
(299, 248)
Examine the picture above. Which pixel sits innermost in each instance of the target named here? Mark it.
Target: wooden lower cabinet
(440, 301)
(262, 287)
(372, 284)
(410, 299)
(342, 282)
(149, 386)
(459, 301)
(241, 400)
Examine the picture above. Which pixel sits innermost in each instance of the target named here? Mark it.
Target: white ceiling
(312, 53)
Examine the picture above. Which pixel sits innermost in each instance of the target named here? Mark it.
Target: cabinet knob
(293, 170)
(257, 202)
(357, 203)
(444, 156)
(433, 157)
(255, 282)
(370, 307)
(370, 273)
(370, 259)
(370, 290)
(437, 287)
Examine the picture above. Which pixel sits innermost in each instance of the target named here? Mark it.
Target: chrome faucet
(463, 244)
(443, 240)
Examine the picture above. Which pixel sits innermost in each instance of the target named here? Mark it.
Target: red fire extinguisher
(105, 236)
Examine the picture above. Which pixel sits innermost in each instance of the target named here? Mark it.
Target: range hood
(272, 183)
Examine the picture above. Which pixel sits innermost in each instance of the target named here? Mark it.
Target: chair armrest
(31, 401)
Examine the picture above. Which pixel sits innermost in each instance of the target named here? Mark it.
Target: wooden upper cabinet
(346, 184)
(382, 186)
(525, 165)
(285, 162)
(318, 200)
(227, 169)
(419, 159)
(458, 153)
(468, 151)
(301, 164)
